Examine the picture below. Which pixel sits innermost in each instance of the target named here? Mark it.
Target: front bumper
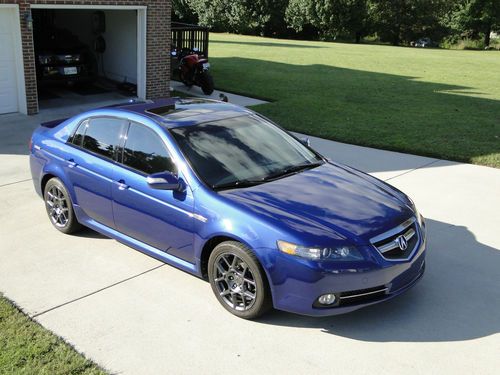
(296, 287)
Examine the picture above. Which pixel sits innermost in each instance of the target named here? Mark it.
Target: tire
(207, 83)
(184, 80)
(59, 207)
(238, 280)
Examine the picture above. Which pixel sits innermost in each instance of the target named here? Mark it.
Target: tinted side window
(102, 136)
(144, 150)
(80, 132)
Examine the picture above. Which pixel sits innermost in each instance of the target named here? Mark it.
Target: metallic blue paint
(331, 205)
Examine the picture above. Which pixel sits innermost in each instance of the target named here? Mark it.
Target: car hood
(328, 201)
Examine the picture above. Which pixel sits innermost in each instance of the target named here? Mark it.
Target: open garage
(84, 54)
(60, 54)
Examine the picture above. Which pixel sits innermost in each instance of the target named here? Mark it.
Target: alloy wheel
(235, 282)
(58, 207)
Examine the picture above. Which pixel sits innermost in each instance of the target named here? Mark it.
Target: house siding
(157, 44)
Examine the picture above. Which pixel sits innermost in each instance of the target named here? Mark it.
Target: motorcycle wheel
(207, 83)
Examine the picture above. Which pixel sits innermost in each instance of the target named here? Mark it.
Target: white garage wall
(120, 57)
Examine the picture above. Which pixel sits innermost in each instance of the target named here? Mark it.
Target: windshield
(242, 151)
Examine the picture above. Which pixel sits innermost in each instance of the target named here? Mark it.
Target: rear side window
(145, 151)
(77, 137)
(102, 136)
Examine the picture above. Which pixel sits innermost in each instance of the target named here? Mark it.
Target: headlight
(343, 253)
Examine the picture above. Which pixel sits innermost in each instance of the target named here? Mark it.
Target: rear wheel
(238, 281)
(59, 207)
(207, 83)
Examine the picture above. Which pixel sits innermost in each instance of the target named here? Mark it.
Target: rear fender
(54, 167)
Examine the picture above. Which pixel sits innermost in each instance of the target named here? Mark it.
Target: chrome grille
(388, 243)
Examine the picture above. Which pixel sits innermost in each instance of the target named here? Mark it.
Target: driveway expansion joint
(95, 292)
(412, 170)
(16, 182)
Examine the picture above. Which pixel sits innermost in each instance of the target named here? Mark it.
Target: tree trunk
(358, 37)
(487, 36)
(395, 38)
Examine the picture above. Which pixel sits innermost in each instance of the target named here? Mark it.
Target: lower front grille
(356, 297)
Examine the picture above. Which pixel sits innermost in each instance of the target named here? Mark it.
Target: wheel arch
(217, 239)
(52, 170)
(209, 246)
(46, 177)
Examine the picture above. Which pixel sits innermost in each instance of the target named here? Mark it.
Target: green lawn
(28, 348)
(440, 103)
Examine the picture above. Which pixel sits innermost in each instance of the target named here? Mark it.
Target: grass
(28, 348)
(432, 102)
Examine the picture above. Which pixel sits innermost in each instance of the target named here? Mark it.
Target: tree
(476, 16)
(264, 17)
(330, 17)
(404, 20)
(181, 11)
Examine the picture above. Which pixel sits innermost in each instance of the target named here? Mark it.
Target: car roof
(175, 112)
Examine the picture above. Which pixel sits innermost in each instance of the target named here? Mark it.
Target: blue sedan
(225, 194)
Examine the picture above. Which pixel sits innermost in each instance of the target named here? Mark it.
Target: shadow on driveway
(457, 299)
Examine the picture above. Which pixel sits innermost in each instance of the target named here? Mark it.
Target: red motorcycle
(194, 69)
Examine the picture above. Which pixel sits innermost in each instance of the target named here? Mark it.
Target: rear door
(160, 218)
(91, 166)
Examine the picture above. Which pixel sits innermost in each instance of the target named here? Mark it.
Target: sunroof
(162, 111)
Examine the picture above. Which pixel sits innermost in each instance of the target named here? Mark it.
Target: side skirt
(135, 244)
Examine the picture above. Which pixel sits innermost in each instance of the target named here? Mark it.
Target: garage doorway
(88, 54)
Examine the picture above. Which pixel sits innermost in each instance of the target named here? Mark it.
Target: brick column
(158, 49)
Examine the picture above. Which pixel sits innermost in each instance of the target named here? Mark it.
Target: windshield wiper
(291, 170)
(273, 176)
(237, 184)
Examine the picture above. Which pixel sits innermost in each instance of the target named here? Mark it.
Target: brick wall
(157, 44)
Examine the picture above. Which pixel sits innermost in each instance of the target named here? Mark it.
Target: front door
(160, 218)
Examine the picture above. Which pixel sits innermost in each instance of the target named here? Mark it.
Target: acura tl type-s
(223, 193)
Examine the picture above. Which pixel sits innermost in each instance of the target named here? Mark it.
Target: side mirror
(306, 142)
(164, 181)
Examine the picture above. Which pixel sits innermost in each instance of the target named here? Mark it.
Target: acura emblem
(402, 242)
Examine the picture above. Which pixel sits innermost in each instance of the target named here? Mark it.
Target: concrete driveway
(133, 315)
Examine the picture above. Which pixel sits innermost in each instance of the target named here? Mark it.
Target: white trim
(83, 6)
(141, 53)
(18, 50)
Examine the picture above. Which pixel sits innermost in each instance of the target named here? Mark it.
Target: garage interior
(85, 55)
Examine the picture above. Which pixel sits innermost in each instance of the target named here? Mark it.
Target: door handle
(122, 185)
(71, 163)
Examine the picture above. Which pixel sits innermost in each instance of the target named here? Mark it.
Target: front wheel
(207, 83)
(238, 281)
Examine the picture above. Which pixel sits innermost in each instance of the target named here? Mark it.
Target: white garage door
(8, 69)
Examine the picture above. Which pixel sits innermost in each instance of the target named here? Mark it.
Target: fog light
(327, 299)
